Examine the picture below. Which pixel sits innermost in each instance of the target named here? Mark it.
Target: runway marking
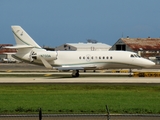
(47, 75)
(8, 71)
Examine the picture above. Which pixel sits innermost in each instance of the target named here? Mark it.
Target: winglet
(46, 64)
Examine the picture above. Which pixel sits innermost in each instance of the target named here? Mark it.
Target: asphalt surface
(120, 80)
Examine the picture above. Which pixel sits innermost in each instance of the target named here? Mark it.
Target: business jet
(28, 50)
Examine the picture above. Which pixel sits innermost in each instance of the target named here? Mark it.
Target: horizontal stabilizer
(18, 47)
(8, 53)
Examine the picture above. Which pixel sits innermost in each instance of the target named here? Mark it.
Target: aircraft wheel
(75, 73)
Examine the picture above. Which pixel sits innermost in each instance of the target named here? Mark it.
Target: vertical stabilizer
(22, 38)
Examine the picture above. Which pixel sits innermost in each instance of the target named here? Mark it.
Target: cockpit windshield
(135, 56)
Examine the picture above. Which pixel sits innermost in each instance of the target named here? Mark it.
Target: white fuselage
(97, 59)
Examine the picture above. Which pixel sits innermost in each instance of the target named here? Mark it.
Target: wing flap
(76, 67)
(69, 68)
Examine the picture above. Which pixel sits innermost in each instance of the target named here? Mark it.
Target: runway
(119, 80)
(28, 73)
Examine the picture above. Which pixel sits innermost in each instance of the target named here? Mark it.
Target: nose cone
(148, 64)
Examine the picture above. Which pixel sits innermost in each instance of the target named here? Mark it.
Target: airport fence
(107, 116)
(79, 117)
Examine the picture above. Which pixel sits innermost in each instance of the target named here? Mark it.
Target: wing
(68, 67)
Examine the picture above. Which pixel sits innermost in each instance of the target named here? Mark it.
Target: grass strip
(79, 98)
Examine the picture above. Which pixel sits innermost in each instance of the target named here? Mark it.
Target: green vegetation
(79, 98)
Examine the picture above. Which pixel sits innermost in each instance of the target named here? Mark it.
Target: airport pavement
(44, 75)
(21, 67)
(127, 80)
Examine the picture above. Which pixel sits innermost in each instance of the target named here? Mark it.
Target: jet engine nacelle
(47, 55)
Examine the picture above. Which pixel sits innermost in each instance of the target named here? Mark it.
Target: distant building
(83, 47)
(146, 47)
(5, 53)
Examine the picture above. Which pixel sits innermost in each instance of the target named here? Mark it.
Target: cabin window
(135, 55)
(83, 57)
(79, 57)
(92, 57)
(139, 56)
(132, 55)
(99, 57)
(87, 57)
(107, 57)
(103, 57)
(110, 57)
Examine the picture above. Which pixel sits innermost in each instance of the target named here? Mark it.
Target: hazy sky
(55, 22)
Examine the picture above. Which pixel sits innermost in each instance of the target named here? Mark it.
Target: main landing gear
(75, 73)
(130, 71)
